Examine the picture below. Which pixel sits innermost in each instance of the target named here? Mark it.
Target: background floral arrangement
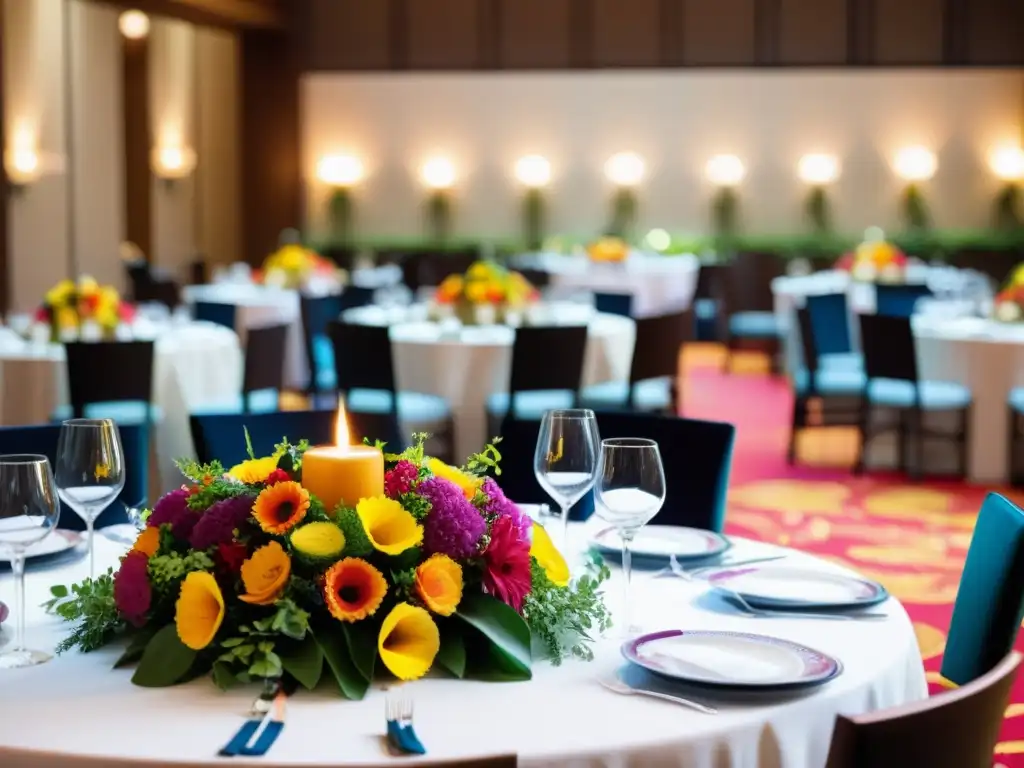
(1008, 306)
(246, 575)
(292, 265)
(487, 283)
(608, 249)
(68, 306)
(875, 260)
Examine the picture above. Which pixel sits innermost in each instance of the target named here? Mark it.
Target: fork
(398, 711)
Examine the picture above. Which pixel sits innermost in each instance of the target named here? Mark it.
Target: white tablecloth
(77, 711)
(658, 284)
(196, 365)
(466, 365)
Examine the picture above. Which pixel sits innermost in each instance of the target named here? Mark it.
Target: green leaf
(304, 661)
(332, 642)
(507, 635)
(135, 648)
(223, 677)
(59, 591)
(452, 654)
(362, 646)
(165, 661)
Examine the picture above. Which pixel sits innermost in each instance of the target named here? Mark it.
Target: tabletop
(77, 711)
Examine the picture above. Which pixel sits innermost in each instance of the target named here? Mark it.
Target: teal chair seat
(934, 395)
(323, 362)
(705, 309)
(261, 401)
(531, 404)
(1017, 399)
(754, 325)
(412, 406)
(128, 412)
(649, 395)
(841, 361)
(831, 381)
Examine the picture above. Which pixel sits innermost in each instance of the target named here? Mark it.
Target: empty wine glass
(566, 458)
(90, 471)
(29, 510)
(629, 491)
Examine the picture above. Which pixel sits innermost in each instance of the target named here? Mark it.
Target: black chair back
(538, 278)
(807, 344)
(547, 357)
(658, 341)
(264, 356)
(317, 314)
(748, 287)
(435, 267)
(900, 299)
(614, 303)
(165, 291)
(362, 357)
(996, 264)
(139, 280)
(343, 257)
(109, 371)
(697, 456)
(411, 273)
(357, 296)
(213, 312)
(888, 345)
(198, 271)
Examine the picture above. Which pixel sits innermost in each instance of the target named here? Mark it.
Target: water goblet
(629, 491)
(29, 510)
(566, 458)
(89, 471)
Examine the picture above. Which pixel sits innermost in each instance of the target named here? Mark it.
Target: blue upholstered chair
(697, 456)
(899, 300)
(317, 313)
(990, 602)
(750, 305)
(1015, 415)
(614, 303)
(43, 440)
(214, 312)
(830, 318)
(890, 363)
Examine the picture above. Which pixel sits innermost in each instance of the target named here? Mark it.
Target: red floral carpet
(913, 538)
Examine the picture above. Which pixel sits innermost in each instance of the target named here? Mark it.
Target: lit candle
(343, 473)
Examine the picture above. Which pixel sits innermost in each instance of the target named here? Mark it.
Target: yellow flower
(408, 641)
(87, 285)
(148, 542)
(390, 528)
(548, 557)
(479, 270)
(353, 589)
(61, 293)
(199, 610)
(281, 506)
(265, 574)
(475, 291)
(439, 584)
(254, 471)
(318, 539)
(468, 483)
(66, 318)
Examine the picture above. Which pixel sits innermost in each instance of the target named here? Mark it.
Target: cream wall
(676, 121)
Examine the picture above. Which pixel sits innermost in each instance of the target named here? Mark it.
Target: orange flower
(439, 584)
(353, 589)
(280, 507)
(265, 574)
(148, 541)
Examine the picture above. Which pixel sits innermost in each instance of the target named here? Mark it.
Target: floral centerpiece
(84, 309)
(486, 293)
(608, 249)
(1008, 306)
(246, 575)
(294, 266)
(875, 260)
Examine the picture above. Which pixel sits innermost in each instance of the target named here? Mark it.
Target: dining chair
(830, 316)
(547, 365)
(538, 278)
(364, 367)
(708, 302)
(199, 270)
(823, 395)
(749, 305)
(139, 280)
(989, 604)
(697, 456)
(899, 299)
(653, 370)
(344, 257)
(1015, 428)
(111, 379)
(317, 313)
(435, 266)
(955, 729)
(890, 365)
(997, 264)
(43, 440)
(215, 312)
(263, 377)
(614, 303)
(356, 296)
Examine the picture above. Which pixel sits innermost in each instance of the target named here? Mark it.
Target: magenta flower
(400, 479)
(218, 524)
(173, 510)
(453, 526)
(498, 505)
(507, 564)
(132, 592)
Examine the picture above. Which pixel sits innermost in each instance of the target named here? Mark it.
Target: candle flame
(341, 431)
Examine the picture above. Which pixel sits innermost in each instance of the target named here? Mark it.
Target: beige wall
(676, 121)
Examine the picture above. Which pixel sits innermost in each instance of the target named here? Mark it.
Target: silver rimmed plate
(660, 542)
(55, 544)
(780, 586)
(734, 660)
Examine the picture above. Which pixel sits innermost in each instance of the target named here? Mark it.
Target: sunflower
(254, 471)
(353, 589)
(280, 507)
(390, 528)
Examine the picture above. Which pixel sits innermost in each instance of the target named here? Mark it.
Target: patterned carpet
(913, 538)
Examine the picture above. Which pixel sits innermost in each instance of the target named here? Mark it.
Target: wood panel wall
(138, 138)
(5, 190)
(573, 34)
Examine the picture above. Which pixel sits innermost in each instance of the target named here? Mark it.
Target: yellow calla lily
(543, 550)
(408, 641)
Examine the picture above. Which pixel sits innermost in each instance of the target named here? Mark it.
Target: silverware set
(398, 712)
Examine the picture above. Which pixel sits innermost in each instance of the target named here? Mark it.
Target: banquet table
(195, 366)
(465, 365)
(76, 711)
(658, 284)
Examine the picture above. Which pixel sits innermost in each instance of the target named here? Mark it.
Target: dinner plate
(780, 586)
(54, 545)
(659, 542)
(733, 660)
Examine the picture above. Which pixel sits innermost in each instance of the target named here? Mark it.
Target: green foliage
(563, 618)
(165, 661)
(439, 215)
(206, 495)
(167, 571)
(248, 443)
(485, 461)
(304, 661)
(534, 216)
(1008, 216)
(290, 456)
(91, 605)
(452, 653)
(339, 214)
(415, 505)
(253, 652)
(624, 214)
(416, 452)
(357, 543)
(818, 211)
(350, 651)
(915, 209)
(725, 214)
(502, 648)
(197, 472)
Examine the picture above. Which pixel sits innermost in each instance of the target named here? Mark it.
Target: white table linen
(465, 365)
(196, 365)
(76, 711)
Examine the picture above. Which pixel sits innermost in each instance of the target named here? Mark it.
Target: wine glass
(29, 510)
(90, 471)
(566, 457)
(630, 490)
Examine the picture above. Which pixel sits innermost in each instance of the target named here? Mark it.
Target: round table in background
(77, 712)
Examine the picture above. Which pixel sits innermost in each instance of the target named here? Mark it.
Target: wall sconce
(341, 173)
(22, 167)
(173, 163)
(915, 165)
(818, 170)
(726, 172)
(133, 24)
(1007, 163)
(534, 173)
(438, 175)
(625, 170)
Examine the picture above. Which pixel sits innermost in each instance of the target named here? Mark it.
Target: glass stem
(565, 529)
(89, 529)
(18, 569)
(627, 580)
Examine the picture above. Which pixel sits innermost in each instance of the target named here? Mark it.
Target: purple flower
(400, 479)
(132, 593)
(453, 526)
(498, 504)
(173, 510)
(217, 525)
